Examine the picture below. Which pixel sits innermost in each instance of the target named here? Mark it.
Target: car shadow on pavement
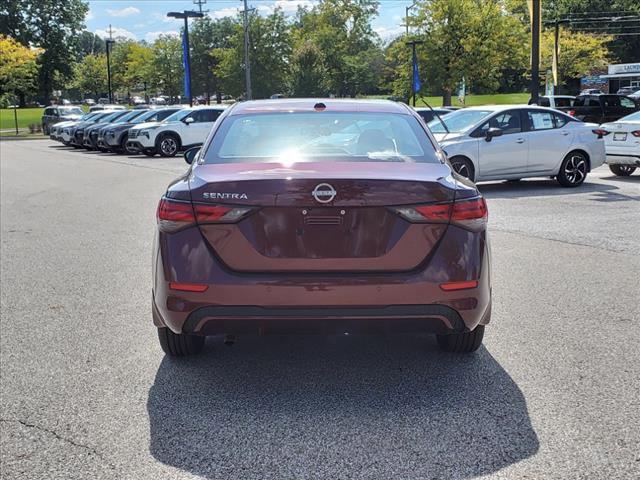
(539, 188)
(337, 407)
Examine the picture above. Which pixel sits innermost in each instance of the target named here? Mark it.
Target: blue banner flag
(416, 75)
(185, 64)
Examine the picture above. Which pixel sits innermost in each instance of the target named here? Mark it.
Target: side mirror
(493, 132)
(189, 120)
(190, 155)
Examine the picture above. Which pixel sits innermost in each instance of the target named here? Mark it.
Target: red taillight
(636, 133)
(601, 132)
(572, 113)
(467, 213)
(452, 286)
(188, 287)
(174, 215)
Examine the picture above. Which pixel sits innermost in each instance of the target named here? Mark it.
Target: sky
(146, 19)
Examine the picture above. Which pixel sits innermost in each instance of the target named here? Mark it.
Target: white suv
(180, 131)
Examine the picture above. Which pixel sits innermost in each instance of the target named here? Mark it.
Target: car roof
(307, 105)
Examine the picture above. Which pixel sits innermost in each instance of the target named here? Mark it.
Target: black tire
(622, 170)
(463, 167)
(149, 152)
(168, 145)
(466, 342)
(573, 170)
(179, 345)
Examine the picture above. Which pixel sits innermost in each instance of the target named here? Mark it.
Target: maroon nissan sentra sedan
(320, 216)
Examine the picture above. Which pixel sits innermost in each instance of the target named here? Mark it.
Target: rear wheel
(573, 170)
(622, 170)
(179, 345)
(463, 167)
(168, 145)
(466, 342)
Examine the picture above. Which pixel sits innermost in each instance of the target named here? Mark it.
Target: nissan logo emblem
(324, 193)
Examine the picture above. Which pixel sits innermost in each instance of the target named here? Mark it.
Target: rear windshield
(319, 137)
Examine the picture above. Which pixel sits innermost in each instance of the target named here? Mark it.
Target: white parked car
(510, 142)
(182, 130)
(622, 144)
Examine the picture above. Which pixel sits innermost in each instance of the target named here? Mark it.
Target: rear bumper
(622, 157)
(320, 302)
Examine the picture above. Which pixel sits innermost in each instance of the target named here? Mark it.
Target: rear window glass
(563, 102)
(321, 136)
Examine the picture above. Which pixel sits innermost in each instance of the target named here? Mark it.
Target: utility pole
(247, 61)
(414, 67)
(406, 16)
(200, 3)
(535, 51)
(185, 50)
(108, 42)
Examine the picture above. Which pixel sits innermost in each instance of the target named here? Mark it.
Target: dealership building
(622, 75)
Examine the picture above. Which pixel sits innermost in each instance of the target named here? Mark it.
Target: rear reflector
(188, 287)
(452, 286)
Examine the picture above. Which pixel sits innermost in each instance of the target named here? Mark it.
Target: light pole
(186, 14)
(108, 42)
(413, 44)
(247, 62)
(535, 51)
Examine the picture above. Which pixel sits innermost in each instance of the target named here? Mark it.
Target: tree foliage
(18, 68)
(54, 26)
(91, 75)
(167, 65)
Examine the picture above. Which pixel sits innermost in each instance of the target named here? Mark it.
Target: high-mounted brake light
(471, 214)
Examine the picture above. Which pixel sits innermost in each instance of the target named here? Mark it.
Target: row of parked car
(483, 143)
(162, 131)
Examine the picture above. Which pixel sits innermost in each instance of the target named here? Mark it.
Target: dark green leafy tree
(90, 44)
(52, 25)
(206, 36)
(167, 65)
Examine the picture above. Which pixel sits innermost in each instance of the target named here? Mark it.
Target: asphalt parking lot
(87, 393)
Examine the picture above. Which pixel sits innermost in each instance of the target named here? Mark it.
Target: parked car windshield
(179, 115)
(319, 137)
(146, 115)
(128, 116)
(634, 117)
(458, 121)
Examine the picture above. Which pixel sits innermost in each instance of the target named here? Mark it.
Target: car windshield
(71, 111)
(146, 115)
(634, 117)
(128, 116)
(286, 138)
(458, 121)
(179, 115)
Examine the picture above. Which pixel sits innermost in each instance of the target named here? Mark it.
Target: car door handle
(520, 140)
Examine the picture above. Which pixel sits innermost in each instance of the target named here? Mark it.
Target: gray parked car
(58, 113)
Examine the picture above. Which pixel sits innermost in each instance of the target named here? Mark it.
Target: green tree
(474, 39)
(270, 54)
(341, 31)
(207, 36)
(308, 73)
(54, 26)
(91, 75)
(18, 69)
(90, 44)
(140, 70)
(167, 65)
